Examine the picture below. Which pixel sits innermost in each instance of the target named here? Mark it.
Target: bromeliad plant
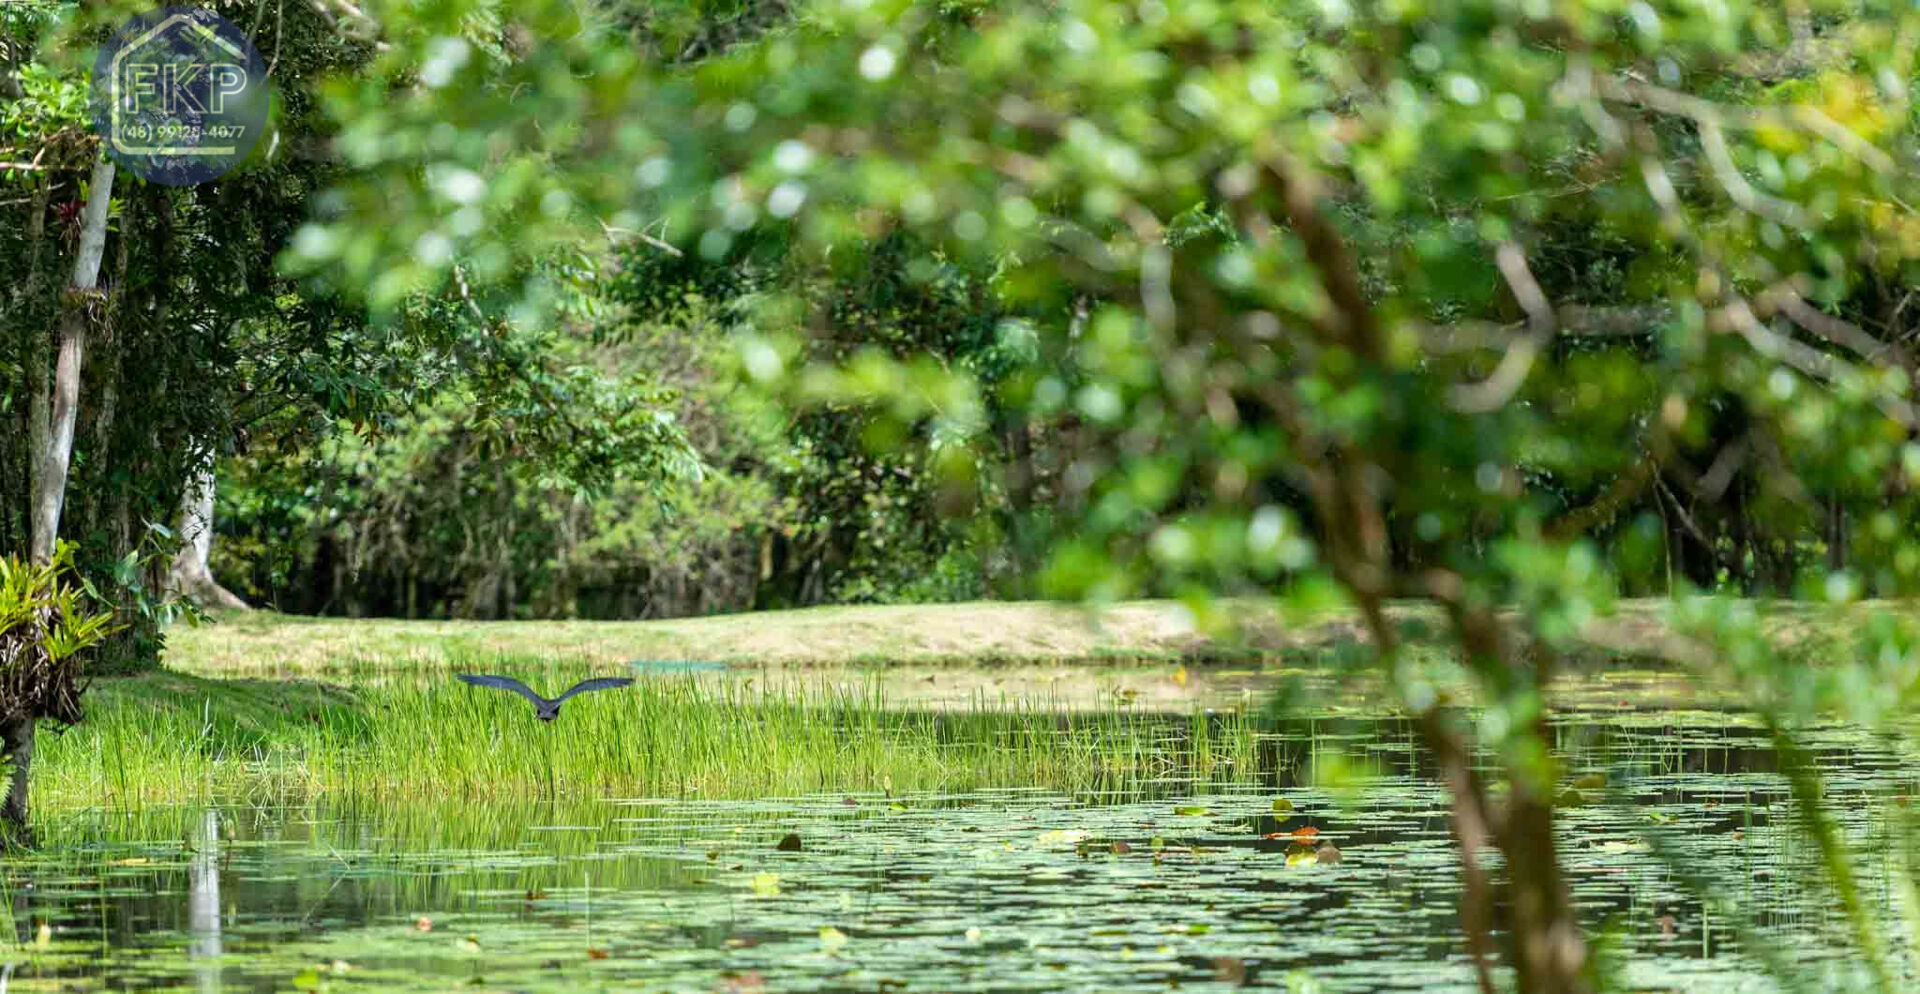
(44, 630)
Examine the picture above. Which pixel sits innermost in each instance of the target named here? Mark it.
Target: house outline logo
(135, 46)
(179, 95)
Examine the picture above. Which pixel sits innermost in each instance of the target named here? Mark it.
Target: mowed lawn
(982, 632)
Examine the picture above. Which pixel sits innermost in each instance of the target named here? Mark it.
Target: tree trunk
(1549, 951)
(190, 575)
(39, 356)
(1836, 535)
(53, 436)
(52, 412)
(16, 737)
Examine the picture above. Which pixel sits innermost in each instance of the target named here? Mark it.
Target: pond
(1682, 851)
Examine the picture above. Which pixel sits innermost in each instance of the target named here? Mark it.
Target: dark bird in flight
(544, 709)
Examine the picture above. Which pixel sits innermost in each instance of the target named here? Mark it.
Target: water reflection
(1162, 882)
(204, 904)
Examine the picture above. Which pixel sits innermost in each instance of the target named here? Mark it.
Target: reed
(170, 738)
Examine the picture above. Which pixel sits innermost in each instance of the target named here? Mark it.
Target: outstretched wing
(596, 683)
(508, 683)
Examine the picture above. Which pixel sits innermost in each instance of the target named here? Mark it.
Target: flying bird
(544, 709)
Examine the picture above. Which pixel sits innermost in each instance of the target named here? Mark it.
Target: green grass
(975, 633)
(167, 737)
(406, 729)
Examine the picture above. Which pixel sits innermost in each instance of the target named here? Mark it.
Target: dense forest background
(615, 458)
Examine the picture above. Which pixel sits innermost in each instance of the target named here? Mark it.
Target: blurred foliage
(1491, 303)
(1517, 307)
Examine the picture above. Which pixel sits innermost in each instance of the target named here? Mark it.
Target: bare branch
(1570, 321)
(1493, 393)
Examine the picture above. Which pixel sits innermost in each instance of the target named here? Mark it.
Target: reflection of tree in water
(204, 904)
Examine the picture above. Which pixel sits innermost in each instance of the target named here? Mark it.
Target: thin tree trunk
(191, 574)
(16, 737)
(35, 350)
(52, 415)
(54, 441)
(100, 434)
(39, 356)
(1836, 535)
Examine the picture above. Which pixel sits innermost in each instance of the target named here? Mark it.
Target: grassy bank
(171, 737)
(980, 633)
(985, 632)
(264, 706)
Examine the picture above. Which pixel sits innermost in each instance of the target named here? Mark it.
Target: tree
(1367, 376)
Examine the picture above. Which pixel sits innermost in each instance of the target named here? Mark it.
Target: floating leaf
(1282, 806)
(1190, 810)
(766, 885)
(1303, 857)
(832, 940)
(1061, 837)
(597, 953)
(307, 979)
(1230, 969)
(789, 842)
(1328, 853)
(973, 934)
(469, 944)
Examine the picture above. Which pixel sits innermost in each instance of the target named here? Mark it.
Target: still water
(1685, 862)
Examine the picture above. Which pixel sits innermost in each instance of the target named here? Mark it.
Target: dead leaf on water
(1230, 970)
(789, 842)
